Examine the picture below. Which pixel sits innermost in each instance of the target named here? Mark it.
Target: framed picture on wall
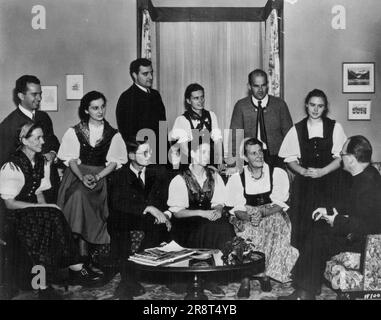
(49, 98)
(74, 86)
(358, 77)
(359, 109)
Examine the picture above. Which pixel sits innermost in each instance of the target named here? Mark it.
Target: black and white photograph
(190, 157)
(358, 77)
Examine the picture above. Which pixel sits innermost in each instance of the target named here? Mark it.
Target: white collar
(28, 113)
(136, 172)
(142, 88)
(265, 100)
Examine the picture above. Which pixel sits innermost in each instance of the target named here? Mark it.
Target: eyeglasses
(342, 154)
(145, 153)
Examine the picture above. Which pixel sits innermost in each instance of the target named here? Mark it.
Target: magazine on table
(162, 255)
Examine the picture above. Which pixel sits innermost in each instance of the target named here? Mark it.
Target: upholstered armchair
(357, 276)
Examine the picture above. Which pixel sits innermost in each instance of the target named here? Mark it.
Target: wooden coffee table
(196, 289)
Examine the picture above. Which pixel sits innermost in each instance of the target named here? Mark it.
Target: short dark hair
(133, 145)
(22, 85)
(85, 103)
(360, 147)
(135, 65)
(255, 73)
(188, 92)
(320, 94)
(251, 142)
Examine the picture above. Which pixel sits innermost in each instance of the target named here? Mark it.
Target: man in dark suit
(137, 195)
(343, 228)
(140, 106)
(262, 116)
(27, 94)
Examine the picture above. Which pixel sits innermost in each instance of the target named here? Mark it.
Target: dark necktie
(33, 116)
(140, 179)
(261, 125)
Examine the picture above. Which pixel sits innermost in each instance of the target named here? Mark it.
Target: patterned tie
(141, 182)
(261, 130)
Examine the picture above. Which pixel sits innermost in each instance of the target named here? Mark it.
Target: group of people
(110, 186)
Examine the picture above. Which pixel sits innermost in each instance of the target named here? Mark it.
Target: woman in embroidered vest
(92, 149)
(197, 118)
(258, 196)
(196, 199)
(311, 150)
(41, 228)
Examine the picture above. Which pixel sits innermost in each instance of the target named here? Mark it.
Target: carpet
(159, 291)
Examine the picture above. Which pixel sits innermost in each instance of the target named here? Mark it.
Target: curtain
(272, 60)
(149, 44)
(146, 49)
(217, 55)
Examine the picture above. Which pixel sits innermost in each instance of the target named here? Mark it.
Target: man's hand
(168, 224)
(318, 213)
(331, 218)
(159, 216)
(50, 156)
(321, 213)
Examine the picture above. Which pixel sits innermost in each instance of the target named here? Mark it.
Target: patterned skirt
(272, 237)
(46, 237)
(85, 209)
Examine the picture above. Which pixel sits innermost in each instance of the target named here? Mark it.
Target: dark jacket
(362, 206)
(127, 198)
(137, 110)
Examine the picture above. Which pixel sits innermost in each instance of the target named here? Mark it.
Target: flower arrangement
(239, 251)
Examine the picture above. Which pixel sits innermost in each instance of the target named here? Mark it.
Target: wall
(314, 53)
(96, 38)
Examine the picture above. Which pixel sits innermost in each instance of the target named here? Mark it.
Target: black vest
(199, 198)
(315, 152)
(33, 175)
(94, 156)
(261, 198)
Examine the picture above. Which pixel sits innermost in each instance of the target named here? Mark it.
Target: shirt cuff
(281, 204)
(168, 214)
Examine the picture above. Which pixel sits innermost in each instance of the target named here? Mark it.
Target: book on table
(162, 255)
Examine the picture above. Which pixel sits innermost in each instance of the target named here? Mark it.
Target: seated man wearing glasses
(137, 201)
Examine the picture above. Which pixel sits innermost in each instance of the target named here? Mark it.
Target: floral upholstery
(343, 270)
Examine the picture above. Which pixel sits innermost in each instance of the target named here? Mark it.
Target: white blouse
(178, 192)
(70, 146)
(12, 180)
(182, 131)
(279, 195)
(290, 149)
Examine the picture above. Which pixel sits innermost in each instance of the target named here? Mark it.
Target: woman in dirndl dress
(258, 196)
(40, 227)
(92, 149)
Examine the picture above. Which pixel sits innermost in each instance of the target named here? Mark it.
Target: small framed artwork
(74, 86)
(49, 98)
(358, 77)
(359, 109)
